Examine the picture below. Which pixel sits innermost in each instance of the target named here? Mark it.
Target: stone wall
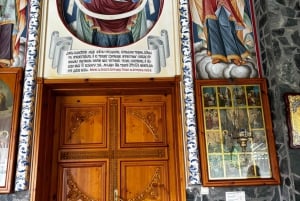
(20, 196)
(278, 23)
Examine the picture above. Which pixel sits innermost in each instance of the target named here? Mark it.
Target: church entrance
(113, 145)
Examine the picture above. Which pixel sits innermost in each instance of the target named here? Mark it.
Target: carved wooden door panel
(111, 148)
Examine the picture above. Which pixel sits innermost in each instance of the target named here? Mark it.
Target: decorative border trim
(27, 111)
(189, 102)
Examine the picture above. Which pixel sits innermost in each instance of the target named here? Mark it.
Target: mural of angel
(12, 26)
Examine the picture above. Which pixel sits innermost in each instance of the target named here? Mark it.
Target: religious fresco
(224, 39)
(13, 32)
(97, 39)
(109, 23)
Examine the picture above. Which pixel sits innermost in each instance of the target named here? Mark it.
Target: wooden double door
(116, 148)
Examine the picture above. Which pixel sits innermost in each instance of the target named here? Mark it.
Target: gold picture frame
(10, 101)
(292, 101)
(236, 140)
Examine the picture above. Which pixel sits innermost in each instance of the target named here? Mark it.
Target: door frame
(48, 89)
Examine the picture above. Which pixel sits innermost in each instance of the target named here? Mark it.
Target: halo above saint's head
(111, 17)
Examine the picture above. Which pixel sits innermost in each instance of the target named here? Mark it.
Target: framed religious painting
(292, 101)
(235, 133)
(10, 97)
(225, 42)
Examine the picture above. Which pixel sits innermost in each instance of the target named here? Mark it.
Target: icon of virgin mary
(111, 23)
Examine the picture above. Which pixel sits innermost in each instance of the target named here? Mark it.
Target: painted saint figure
(12, 26)
(222, 22)
(5, 127)
(7, 20)
(5, 107)
(111, 21)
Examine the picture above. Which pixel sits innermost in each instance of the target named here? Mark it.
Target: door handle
(116, 196)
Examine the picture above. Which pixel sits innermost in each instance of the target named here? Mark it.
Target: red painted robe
(206, 9)
(233, 10)
(111, 7)
(209, 8)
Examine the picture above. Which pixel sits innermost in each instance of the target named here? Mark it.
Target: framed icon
(235, 133)
(293, 118)
(10, 97)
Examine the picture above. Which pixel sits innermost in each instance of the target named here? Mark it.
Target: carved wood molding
(151, 191)
(74, 193)
(77, 119)
(149, 120)
(143, 153)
